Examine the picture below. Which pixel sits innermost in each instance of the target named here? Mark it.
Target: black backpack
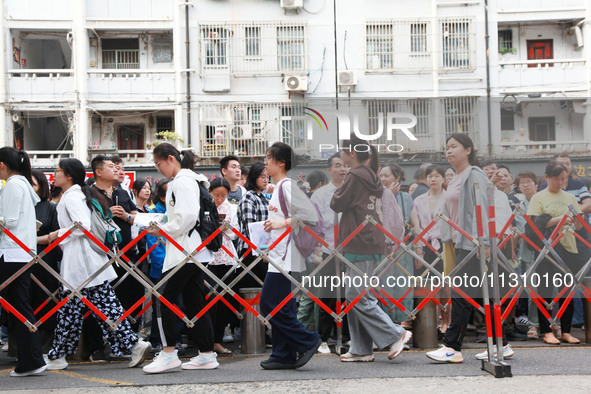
(209, 220)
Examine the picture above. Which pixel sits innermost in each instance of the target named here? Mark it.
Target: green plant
(171, 136)
(504, 51)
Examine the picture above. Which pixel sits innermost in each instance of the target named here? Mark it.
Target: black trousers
(221, 315)
(461, 309)
(187, 281)
(17, 294)
(130, 290)
(326, 322)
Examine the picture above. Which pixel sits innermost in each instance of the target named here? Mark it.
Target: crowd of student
(356, 187)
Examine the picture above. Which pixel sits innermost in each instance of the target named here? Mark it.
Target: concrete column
(80, 47)
(6, 130)
(587, 55)
(178, 43)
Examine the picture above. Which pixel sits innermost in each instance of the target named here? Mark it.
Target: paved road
(540, 368)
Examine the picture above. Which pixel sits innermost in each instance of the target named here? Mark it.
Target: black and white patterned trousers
(71, 316)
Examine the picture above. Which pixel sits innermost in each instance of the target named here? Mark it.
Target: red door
(540, 49)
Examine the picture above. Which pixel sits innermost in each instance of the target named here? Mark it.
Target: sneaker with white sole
(324, 348)
(445, 355)
(228, 337)
(397, 347)
(37, 371)
(507, 353)
(163, 362)
(202, 361)
(356, 358)
(57, 364)
(139, 351)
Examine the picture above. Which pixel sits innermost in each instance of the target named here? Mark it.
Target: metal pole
(488, 103)
(188, 73)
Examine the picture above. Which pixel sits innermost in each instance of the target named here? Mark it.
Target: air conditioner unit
(296, 83)
(241, 132)
(292, 4)
(347, 78)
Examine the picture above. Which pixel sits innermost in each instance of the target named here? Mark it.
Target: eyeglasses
(525, 183)
(157, 164)
(58, 170)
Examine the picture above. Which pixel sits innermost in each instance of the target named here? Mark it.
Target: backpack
(303, 240)
(209, 220)
(103, 228)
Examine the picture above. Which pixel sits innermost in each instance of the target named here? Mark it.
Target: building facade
(83, 77)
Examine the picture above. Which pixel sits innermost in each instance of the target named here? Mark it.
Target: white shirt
(298, 205)
(17, 210)
(182, 214)
(322, 198)
(80, 261)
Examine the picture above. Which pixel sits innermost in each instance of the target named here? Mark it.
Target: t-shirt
(452, 199)
(235, 196)
(555, 205)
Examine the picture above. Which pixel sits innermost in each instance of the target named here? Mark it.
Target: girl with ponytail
(358, 197)
(17, 212)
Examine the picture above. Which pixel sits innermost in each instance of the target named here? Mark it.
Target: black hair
(554, 168)
(74, 168)
(55, 191)
(90, 181)
(219, 182)
(139, 184)
(243, 170)
(159, 192)
(116, 159)
(281, 152)
(363, 155)
(17, 161)
(422, 173)
(561, 155)
(165, 149)
(225, 160)
(487, 163)
(41, 179)
(98, 162)
(503, 166)
(253, 174)
(526, 174)
(316, 178)
(397, 171)
(466, 142)
(330, 159)
(437, 168)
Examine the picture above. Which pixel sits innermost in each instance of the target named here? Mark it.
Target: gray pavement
(540, 368)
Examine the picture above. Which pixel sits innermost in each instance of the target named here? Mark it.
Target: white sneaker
(15, 374)
(324, 348)
(5, 347)
(507, 353)
(397, 347)
(445, 355)
(163, 362)
(54, 365)
(202, 361)
(228, 337)
(139, 351)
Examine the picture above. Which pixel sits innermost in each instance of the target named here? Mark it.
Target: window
(162, 49)
(215, 45)
(290, 48)
(418, 37)
(164, 123)
(505, 41)
(293, 127)
(255, 122)
(121, 53)
(252, 41)
(379, 47)
(507, 120)
(459, 116)
(542, 128)
(456, 44)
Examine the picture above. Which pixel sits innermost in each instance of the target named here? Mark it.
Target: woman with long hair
(546, 209)
(79, 263)
(46, 213)
(288, 335)
(459, 205)
(360, 196)
(182, 211)
(17, 210)
(254, 207)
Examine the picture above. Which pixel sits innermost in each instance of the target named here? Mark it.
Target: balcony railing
(40, 84)
(153, 85)
(543, 75)
(540, 148)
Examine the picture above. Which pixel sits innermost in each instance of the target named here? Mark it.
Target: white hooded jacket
(182, 214)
